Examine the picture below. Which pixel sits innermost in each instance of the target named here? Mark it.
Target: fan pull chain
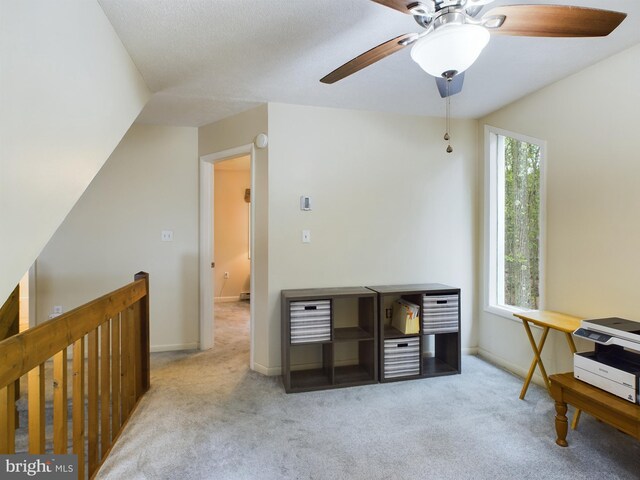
(448, 122)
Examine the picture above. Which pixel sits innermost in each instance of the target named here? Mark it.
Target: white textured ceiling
(209, 59)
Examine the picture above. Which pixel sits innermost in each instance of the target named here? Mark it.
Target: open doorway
(232, 229)
(231, 251)
(238, 287)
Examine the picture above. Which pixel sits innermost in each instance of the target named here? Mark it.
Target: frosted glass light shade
(450, 47)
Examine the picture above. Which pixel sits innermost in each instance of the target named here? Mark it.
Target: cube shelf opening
(353, 318)
(311, 366)
(354, 362)
(440, 354)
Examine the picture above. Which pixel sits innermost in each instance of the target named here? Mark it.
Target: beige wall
(147, 185)
(589, 121)
(69, 91)
(390, 206)
(231, 232)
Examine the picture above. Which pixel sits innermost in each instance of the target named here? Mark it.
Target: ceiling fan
(455, 33)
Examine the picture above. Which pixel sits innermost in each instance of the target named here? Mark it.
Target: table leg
(576, 419)
(572, 347)
(561, 423)
(537, 350)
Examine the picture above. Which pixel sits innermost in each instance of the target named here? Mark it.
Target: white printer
(614, 366)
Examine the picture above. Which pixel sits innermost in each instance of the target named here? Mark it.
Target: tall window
(515, 219)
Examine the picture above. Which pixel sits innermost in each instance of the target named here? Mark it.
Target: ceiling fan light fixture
(450, 47)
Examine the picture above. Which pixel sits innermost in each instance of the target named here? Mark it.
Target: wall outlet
(166, 235)
(226, 275)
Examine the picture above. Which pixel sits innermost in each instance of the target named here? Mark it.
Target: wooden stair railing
(116, 328)
(10, 315)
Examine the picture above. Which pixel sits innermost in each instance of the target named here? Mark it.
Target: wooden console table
(619, 413)
(547, 320)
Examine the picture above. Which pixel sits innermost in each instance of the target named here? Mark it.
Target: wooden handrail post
(145, 368)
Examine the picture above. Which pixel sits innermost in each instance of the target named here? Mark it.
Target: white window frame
(494, 209)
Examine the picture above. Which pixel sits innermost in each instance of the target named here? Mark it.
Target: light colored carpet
(208, 417)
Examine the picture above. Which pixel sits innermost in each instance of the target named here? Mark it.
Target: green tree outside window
(521, 223)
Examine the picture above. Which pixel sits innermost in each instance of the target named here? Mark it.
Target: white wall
(590, 123)
(69, 91)
(147, 185)
(390, 206)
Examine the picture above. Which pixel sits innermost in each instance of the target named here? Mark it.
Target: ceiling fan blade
(400, 5)
(369, 57)
(455, 85)
(554, 21)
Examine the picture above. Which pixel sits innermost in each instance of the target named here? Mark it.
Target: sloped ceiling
(68, 94)
(205, 60)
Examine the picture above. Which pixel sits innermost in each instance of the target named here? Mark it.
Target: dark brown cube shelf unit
(329, 338)
(435, 349)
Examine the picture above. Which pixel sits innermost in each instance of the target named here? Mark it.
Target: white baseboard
(175, 347)
(226, 299)
(269, 371)
(513, 368)
(470, 351)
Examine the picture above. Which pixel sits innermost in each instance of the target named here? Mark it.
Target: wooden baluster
(78, 404)
(137, 361)
(132, 347)
(60, 403)
(105, 389)
(36, 410)
(115, 376)
(93, 422)
(7, 419)
(144, 346)
(125, 365)
(126, 362)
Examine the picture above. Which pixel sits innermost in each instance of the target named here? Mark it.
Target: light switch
(305, 203)
(166, 236)
(306, 236)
